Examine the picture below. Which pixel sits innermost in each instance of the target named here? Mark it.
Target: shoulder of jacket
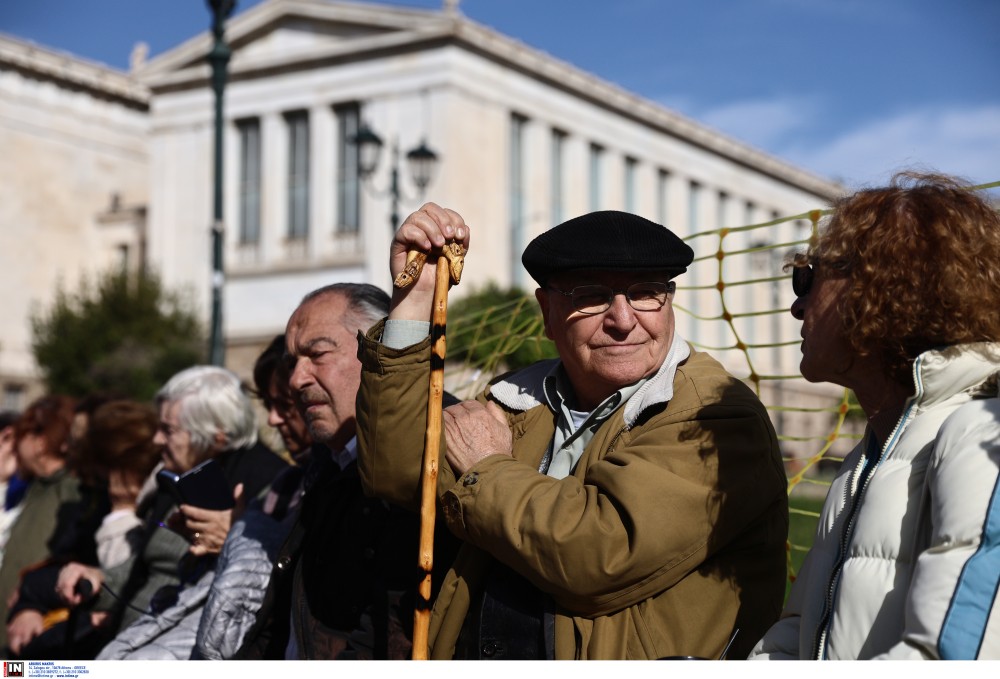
(702, 380)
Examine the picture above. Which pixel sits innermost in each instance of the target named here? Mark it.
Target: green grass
(802, 519)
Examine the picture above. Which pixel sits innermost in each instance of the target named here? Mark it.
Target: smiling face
(607, 351)
(326, 372)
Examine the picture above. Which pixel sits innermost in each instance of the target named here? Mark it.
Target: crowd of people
(626, 500)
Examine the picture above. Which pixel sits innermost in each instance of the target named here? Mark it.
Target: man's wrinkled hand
(426, 230)
(474, 431)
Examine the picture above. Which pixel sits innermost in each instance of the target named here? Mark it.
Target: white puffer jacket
(906, 559)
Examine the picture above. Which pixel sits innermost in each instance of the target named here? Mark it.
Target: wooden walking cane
(454, 254)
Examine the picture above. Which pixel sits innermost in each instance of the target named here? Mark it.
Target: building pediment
(278, 34)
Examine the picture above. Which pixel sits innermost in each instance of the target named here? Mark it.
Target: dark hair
(922, 257)
(367, 303)
(91, 402)
(270, 366)
(49, 417)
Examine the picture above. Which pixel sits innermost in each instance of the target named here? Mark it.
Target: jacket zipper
(611, 444)
(868, 470)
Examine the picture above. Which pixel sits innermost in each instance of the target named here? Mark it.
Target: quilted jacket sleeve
(242, 576)
(955, 584)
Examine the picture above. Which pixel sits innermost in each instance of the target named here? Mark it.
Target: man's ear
(542, 297)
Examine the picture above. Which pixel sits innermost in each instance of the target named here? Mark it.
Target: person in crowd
(203, 414)
(247, 558)
(212, 616)
(120, 440)
(624, 501)
(270, 376)
(12, 486)
(899, 299)
(344, 583)
(41, 445)
(118, 453)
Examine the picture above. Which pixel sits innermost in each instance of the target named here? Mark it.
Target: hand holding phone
(203, 486)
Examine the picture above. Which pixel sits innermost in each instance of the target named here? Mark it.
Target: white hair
(211, 400)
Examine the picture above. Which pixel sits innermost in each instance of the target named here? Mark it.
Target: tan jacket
(668, 536)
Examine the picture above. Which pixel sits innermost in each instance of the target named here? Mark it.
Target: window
(249, 190)
(557, 206)
(720, 209)
(662, 185)
(803, 230)
(596, 160)
(751, 266)
(298, 175)
(14, 397)
(630, 169)
(694, 196)
(348, 175)
(695, 274)
(518, 124)
(123, 257)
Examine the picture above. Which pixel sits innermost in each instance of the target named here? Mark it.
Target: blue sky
(850, 89)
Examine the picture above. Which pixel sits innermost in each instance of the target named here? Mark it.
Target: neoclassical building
(523, 142)
(74, 188)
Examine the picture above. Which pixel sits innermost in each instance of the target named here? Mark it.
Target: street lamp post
(219, 58)
(422, 162)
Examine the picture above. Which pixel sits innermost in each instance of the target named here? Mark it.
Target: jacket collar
(939, 374)
(522, 390)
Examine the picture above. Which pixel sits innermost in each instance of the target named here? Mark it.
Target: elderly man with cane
(626, 500)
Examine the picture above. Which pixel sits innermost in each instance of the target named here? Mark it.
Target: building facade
(524, 142)
(74, 180)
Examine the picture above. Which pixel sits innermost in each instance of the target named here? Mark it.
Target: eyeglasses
(596, 299)
(802, 279)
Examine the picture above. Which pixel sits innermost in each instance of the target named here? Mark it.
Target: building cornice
(602, 93)
(73, 72)
(411, 30)
(244, 27)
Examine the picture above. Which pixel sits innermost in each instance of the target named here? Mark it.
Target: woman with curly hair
(899, 299)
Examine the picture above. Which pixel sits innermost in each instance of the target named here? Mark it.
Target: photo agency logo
(13, 669)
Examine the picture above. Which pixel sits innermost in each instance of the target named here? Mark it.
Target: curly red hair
(923, 259)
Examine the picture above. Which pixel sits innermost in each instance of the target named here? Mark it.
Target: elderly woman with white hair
(204, 413)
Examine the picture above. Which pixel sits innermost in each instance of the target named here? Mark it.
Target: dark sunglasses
(802, 279)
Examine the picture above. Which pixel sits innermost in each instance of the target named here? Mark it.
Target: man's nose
(620, 312)
(159, 439)
(300, 377)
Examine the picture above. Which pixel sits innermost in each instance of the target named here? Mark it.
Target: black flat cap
(606, 240)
